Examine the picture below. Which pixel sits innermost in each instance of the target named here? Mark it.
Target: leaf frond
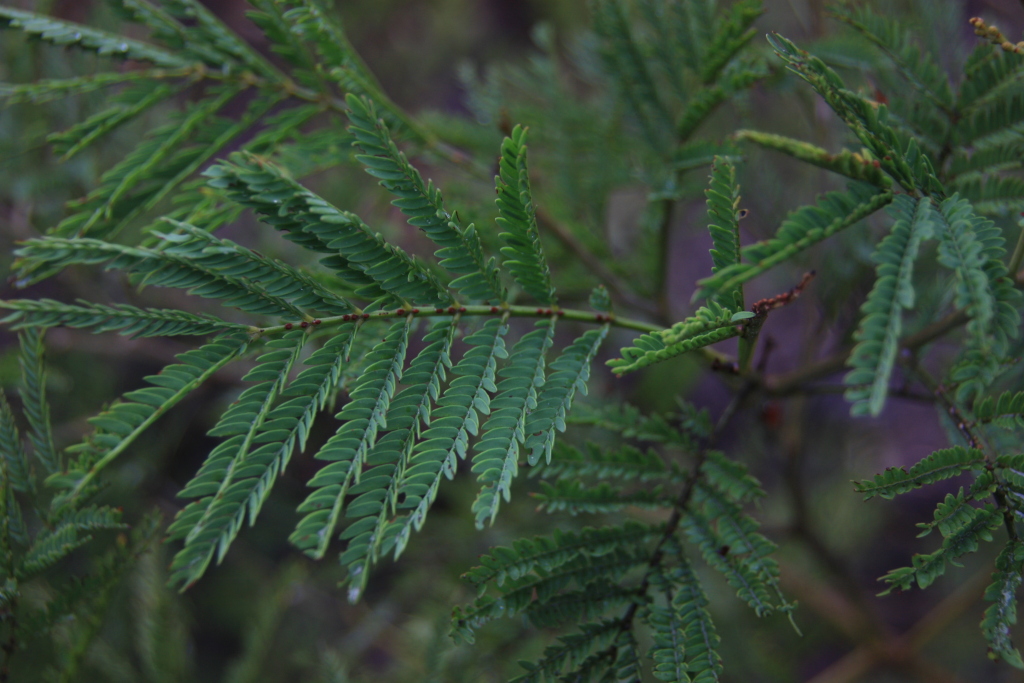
(362, 419)
(942, 464)
(878, 335)
(496, 461)
(524, 254)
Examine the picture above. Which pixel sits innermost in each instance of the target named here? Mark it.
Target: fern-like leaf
(709, 325)
(970, 246)
(569, 374)
(69, 34)
(122, 318)
(496, 461)
(622, 464)
(941, 464)
(898, 154)
(153, 267)
(374, 531)
(1005, 410)
(916, 66)
(878, 336)
(33, 399)
(743, 554)
(574, 497)
(52, 545)
(276, 278)
(524, 254)
(123, 422)
(15, 459)
(534, 590)
(1001, 615)
(571, 651)
(731, 33)
(802, 229)
(224, 485)
(686, 642)
(723, 212)
(624, 60)
(460, 248)
(850, 164)
(360, 256)
(128, 105)
(363, 418)
(456, 417)
(975, 526)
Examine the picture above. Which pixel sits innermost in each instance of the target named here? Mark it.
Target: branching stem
(464, 311)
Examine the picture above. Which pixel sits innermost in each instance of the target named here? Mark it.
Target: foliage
(443, 351)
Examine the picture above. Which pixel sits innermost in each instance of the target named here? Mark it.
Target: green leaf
(360, 256)
(363, 418)
(152, 267)
(123, 422)
(524, 254)
(456, 417)
(1001, 615)
(571, 651)
(67, 34)
(575, 497)
(34, 403)
(975, 526)
(569, 374)
(624, 61)
(496, 461)
(460, 249)
(374, 531)
(724, 213)
(229, 483)
(709, 325)
(940, 465)
(122, 318)
(15, 459)
(850, 164)
(803, 228)
(878, 335)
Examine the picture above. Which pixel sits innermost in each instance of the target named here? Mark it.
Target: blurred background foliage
(472, 68)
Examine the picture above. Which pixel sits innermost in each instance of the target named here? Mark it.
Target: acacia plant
(470, 357)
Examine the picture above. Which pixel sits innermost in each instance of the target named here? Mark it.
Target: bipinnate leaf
(69, 34)
(34, 403)
(975, 526)
(709, 325)
(456, 418)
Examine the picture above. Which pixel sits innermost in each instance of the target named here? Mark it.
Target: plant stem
(792, 382)
(451, 311)
(616, 285)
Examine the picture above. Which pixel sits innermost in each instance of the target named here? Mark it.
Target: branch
(616, 285)
(792, 382)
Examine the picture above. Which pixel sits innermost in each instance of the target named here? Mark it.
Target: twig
(616, 285)
(792, 382)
